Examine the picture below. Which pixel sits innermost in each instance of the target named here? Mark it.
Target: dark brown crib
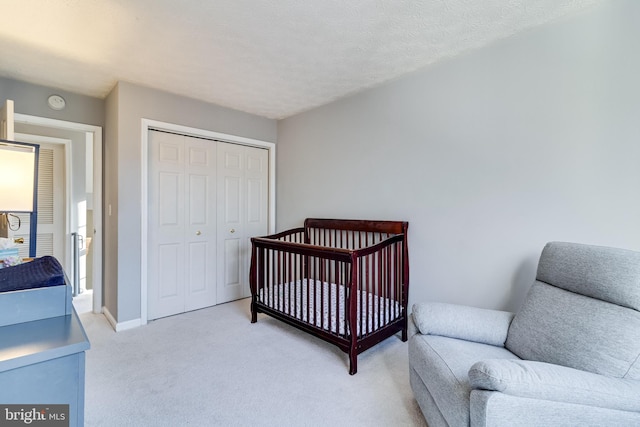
(344, 281)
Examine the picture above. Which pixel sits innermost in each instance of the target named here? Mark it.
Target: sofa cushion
(463, 322)
(607, 274)
(562, 327)
(495, 409)
(443, 365)
(545, 381)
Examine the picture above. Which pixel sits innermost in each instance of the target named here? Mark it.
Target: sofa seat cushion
(443, 364)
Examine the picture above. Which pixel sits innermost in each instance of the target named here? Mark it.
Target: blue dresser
(42, 341)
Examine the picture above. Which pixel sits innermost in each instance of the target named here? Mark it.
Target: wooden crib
(344, 281)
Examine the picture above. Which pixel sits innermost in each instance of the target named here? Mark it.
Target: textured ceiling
(274, 58)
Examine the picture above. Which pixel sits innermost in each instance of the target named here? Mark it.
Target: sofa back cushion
(607, 274)
(582, 311)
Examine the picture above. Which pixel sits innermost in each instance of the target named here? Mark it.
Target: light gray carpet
(212, 367)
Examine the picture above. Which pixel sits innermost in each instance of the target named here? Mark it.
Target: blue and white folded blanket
(39, 273)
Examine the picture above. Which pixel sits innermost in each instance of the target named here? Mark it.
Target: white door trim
(148, 124)
(97, 191)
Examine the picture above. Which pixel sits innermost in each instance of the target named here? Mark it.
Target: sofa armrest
(412, 329)
(462, 322)
(545, 381)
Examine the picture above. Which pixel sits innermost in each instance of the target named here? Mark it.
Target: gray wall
(128, 104)
(32, 99)
(110, 196)
(488, 156)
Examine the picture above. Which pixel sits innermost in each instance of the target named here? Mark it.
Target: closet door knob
(233, 230)
(198, 233)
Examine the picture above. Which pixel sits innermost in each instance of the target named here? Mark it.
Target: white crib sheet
(381, 310)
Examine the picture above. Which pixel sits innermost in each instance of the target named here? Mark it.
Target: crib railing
(380, 279)
(290, 278)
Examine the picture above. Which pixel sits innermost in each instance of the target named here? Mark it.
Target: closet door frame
(146, 126)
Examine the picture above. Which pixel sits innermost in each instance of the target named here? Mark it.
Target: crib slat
(387, 287)
(268, 278)
(367, 289)
(398, 280)
(296, 261)
(345, 273)
(315, 293)
(380, 282)
(286, 259)
(308, 278)
(324, 298)
(362, 288)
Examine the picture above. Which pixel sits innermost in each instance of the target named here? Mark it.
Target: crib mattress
(326, 306)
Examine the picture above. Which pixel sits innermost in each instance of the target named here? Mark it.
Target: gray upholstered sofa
(569, 357)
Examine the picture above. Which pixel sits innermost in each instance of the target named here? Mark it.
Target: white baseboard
(122, 326)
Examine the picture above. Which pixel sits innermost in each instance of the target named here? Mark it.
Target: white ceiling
(273, 58)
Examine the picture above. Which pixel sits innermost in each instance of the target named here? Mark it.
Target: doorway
(82, 197)
(52, 197)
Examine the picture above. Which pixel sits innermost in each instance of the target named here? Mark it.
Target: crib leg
(254, 313)
(353, 362)
(405, 326)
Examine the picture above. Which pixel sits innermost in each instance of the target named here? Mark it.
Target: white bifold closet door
(242, 214)
(206, 200)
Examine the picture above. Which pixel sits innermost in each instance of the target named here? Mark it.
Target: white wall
(488, 156)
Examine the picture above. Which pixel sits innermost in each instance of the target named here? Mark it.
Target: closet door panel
(257, 202)
(231, 164)
(166, 224)
(200, 236)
